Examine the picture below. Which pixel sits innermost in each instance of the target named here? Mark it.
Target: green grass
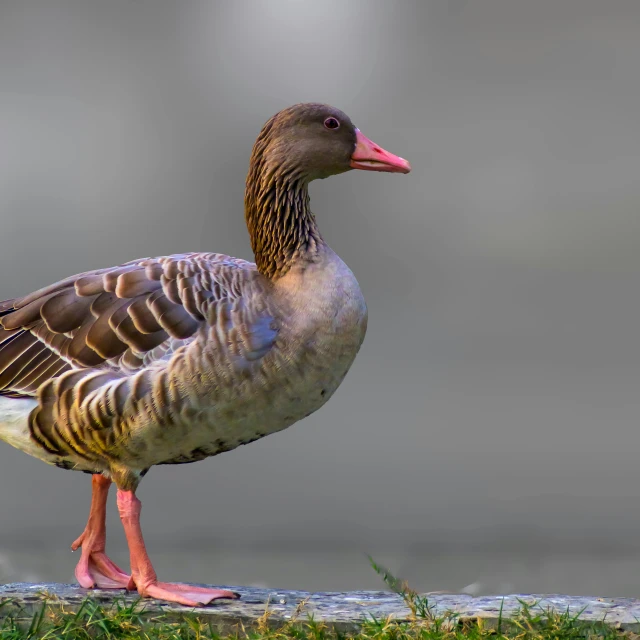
(121, 620)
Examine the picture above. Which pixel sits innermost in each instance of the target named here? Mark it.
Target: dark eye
(331, 123)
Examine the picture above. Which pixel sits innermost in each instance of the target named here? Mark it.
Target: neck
(282, 228)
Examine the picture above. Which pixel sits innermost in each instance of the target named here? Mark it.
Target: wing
(119, 319)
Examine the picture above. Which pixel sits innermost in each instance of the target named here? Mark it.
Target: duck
(173, 359)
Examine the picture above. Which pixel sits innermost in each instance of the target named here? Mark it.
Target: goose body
(173, 359)
(259, 360)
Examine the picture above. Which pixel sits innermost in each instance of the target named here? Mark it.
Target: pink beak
(370, 157)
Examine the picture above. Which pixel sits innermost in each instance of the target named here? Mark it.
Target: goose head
(299, 144)
(311, 141)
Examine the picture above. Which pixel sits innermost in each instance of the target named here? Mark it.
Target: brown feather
(135, 283)
(90, 285)
(78, 348)
(102, 338)
(103, 303)
(44, 292)
(47, 369)
(119, 319)
(65, 311)
(27, 314)
(33, 356)
(110, 278)
(142, 316)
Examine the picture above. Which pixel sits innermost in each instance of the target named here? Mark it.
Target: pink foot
(94, 568)
(184, 593)
(143, 576)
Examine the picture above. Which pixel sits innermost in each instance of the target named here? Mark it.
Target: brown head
(305, 142)
(312, 141)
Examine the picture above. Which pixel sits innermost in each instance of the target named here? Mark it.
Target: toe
(158, 591)
(106, 567)
(77, 543)
(204, 592)
(186, 594)
(96, 570)
(107, 575)
(83, 573)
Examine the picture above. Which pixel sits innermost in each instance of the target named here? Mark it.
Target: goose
(173, 359)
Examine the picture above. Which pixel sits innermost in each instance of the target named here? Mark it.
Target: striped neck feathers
(281, 226)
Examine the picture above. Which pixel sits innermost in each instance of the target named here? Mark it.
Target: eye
(331, 123)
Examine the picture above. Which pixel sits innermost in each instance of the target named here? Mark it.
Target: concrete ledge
(345, 610)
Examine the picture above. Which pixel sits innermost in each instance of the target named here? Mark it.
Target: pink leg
(143, 576)
(95, 569)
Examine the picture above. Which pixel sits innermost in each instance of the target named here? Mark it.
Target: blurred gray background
(488, 435)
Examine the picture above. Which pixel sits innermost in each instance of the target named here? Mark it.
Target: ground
(48, 617)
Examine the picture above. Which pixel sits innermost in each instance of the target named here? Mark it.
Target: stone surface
(343, 610)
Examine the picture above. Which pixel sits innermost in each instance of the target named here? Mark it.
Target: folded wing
(119, 319)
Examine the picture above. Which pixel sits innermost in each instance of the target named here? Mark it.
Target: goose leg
(143, 575)
(95, 569)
